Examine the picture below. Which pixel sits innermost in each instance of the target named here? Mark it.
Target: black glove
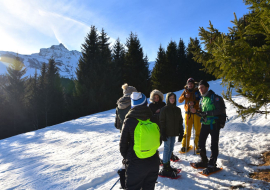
(180, 137)
(181, 134)
(164, 137)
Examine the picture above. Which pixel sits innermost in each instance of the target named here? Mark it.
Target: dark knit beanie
(204, 82)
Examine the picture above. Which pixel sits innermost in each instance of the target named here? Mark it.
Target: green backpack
(146, 139)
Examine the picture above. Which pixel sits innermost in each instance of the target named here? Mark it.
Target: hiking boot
(167, 171)
(200, 164)
(183, 149)
(174, 158)
(198, 151)
(172, 168)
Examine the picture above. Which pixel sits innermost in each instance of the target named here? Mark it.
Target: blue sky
(28, 25)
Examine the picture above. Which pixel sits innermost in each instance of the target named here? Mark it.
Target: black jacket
(171, 121)
(154, 106)
(127, 135)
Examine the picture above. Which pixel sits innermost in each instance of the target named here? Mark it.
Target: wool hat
(138, 99)
(191, 80)
(127, 90)
(204, 82)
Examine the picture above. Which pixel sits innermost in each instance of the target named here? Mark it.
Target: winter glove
(180, 137)
(181, 134)
(164, 137)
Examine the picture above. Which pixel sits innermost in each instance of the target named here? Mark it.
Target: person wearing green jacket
(210, 125)
(171, 126)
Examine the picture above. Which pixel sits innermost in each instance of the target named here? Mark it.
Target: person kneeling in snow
(140, 139)
(171, 123)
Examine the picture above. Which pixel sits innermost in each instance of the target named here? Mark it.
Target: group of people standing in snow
(139, 123)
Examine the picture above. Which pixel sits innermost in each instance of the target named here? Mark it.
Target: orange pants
(188, 127)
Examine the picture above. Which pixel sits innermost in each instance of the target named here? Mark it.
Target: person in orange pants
(191, 96)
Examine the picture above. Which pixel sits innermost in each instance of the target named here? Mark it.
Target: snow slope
(84, 154)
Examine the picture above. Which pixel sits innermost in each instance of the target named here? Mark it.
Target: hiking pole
(186, 134)
(193, 127)
(194, 134)
(114, 184)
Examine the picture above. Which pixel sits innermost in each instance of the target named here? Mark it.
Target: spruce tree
(196, 70)
(136, 71)
(241, 57)
(96, 80)
(32, 102)
(118, 63)
(172, 64)
(55, 103)
(160, 74)
(184, 70)
(86, 73)
(106, 92)
(6, 128)
(15, 90)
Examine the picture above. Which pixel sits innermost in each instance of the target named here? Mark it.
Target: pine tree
(136, 68)
(32, 102)
(172, 64)
(96, 80)
(160, 74)
(6, 122)
(15, 89)
(241, 57)
(55, 95)
(106, 91)
(86, 73)
(118, 63)
(50, 95)
(197, 70)
(183, 68)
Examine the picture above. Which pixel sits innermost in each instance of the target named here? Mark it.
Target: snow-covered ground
(84, 154)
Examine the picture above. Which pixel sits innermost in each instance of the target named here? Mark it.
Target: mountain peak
(59, 47)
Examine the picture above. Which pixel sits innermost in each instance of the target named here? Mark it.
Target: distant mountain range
(66, 60)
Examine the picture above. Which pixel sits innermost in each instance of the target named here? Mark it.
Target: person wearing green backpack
(139, 143)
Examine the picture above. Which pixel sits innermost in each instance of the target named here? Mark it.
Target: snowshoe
(177, 170)
(168, 172)
(183, 149)
(174, 158)
(210, 170)
(199, 165)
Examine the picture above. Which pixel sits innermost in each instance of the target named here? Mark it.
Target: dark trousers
(205, 131)
(142, 173)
